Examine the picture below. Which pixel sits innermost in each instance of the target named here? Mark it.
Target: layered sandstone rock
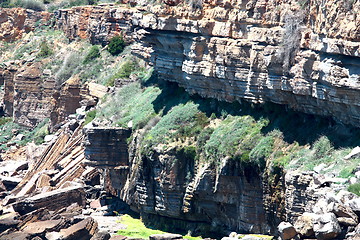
(14, 22)
(304, 57)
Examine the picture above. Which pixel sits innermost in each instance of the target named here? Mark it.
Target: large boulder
(304, 225)
(286, 230)
(326, 226)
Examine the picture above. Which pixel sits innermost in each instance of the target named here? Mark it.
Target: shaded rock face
(14, 22)
(259, 51)
(170, 189)
(106, 147)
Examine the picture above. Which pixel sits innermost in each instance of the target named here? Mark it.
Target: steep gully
(228, 52)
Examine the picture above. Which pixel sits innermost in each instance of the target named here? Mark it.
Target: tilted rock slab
(53, 200)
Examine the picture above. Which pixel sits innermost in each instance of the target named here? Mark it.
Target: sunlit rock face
(15, 22)
(305, 57)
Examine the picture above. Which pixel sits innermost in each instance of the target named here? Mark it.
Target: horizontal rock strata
(304, 57)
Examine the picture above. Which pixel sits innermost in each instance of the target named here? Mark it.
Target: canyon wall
(15, 22)
(305, 57)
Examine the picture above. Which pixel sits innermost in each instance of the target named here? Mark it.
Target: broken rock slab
(165, 236)
(83, 230)
(53, 200)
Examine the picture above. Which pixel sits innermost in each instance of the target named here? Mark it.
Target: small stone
(49, 138)
(20, 137)
(286, 230)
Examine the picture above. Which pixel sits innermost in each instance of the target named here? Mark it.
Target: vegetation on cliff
(210, 131)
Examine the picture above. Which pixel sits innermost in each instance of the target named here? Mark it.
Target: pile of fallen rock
(334, 216)
(45, 197)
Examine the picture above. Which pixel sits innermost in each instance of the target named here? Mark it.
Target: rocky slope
(304, 57)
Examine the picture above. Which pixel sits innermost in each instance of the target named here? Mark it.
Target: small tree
(45, 50)
(92, 55)
(116, 45)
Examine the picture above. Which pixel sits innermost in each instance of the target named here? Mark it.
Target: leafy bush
(354, 188)
(92, 55)
(322, 147)
(90, 116)
(130, 103)
(40, 132)
(116, 45)
(45, 50)
(124, 72)
(235, 137)
(168, 127)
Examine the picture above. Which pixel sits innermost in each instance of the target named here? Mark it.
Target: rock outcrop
(14, 22)
(303, 57)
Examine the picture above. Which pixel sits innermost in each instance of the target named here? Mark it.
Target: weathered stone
(342, 211)
(100, 153)
(101, 235)
(83, 230)
(326, 226)
(346, 221)
(53, 200)
(165, 236)
(43, 226)
(286, 230)
(9, 220)
(15, 236)
(304, 224)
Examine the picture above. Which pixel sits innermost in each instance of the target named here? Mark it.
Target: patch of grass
(235, 137)
(354, 188)
(93, 53)
(171, 125)
(135, 228)
(130, 103)
(90, 116)
(4, 120)
(124, 72)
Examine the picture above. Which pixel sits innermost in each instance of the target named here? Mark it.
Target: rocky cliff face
(173, 190)
(14, 22)
(305, 57)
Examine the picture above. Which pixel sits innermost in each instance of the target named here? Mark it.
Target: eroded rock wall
(169, 188)
(305, 57)
(14, 22)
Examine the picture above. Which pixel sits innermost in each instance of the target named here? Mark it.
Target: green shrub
(92, 55)
(45, 50)
(69, 67)
(186, 152)
(354, 188)
(116, 45)
(124, 72)
(322, 147)
(90, 116)
(40, 133)
(235, 137)
(4, 120)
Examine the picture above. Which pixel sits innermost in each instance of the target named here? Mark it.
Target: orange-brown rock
(14, 22)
